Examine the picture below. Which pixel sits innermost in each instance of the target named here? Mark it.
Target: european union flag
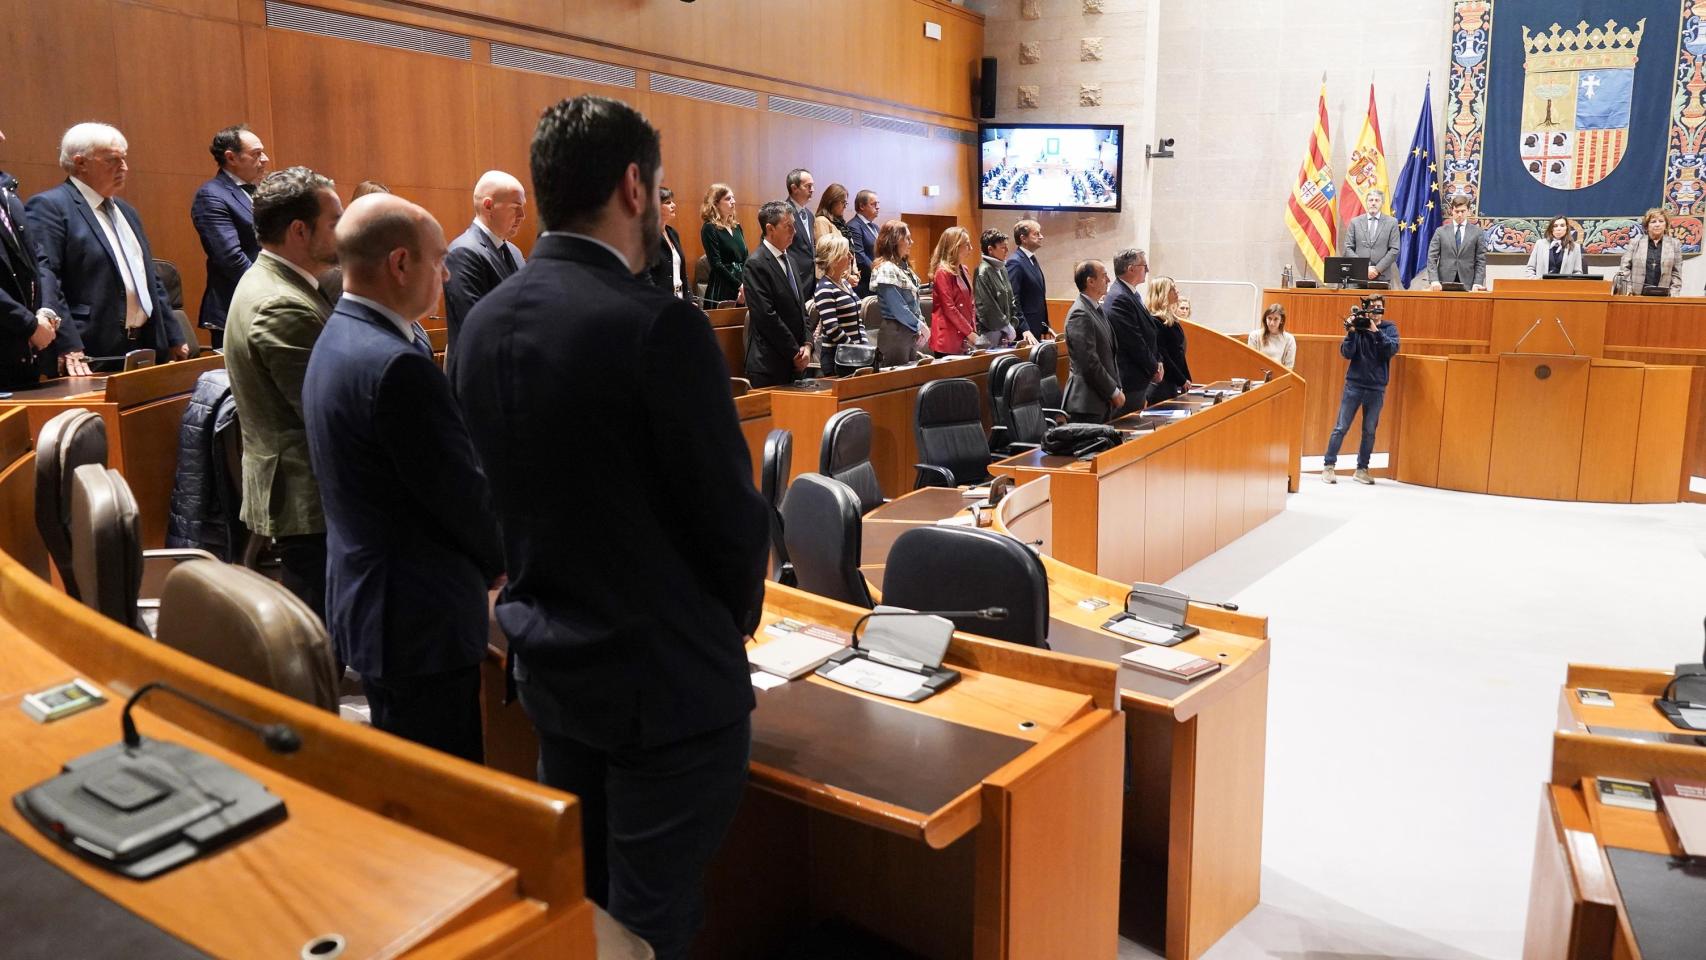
(1415, 201)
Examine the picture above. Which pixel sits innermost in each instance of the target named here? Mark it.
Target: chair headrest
(964, 568)
(846, 441)
(778, 464)
(1024, 385)
(239, 621)
(998, 374)
(821, 525)
(106, 545)
(949, 401)
(173, 281)
(1046, 355)
(66, 442)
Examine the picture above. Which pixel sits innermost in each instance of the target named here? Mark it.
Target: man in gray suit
(1457, 253)
(1094, 391)
(1375, 236)
(802, 253)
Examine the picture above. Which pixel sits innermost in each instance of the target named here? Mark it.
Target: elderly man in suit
(1025, 275)
(777, 350)
(1093, 393)
(483, 256)
(26, 327)
(412, 539)
(1653, 259)
(801, 249)
(1457, 253)
(223, 212)
(638, 686)
(99, 269)
(278, 310)
(866, 206)
(1374, 235)
(1137, 358)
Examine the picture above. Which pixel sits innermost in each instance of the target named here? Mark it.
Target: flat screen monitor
(1050, 166)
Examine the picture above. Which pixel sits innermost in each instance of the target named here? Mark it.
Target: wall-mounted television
(1050, 166)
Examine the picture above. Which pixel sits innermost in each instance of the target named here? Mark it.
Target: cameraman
(1370, 342)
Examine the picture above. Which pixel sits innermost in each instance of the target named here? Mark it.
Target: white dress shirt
(135, 313)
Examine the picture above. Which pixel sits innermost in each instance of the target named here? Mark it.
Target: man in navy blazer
(25, 325)
(1030, 290)
(866, 206)
(777, 350)
(631, 586)
(97, 266)
(223, 212)
(483, 256)
(410, 535)
(1135, 353)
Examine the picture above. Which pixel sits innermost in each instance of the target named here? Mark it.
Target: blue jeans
(1370, 399)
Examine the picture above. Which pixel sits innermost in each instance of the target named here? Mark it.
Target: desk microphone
(985, 613)
(278, 737)
(1216, 603)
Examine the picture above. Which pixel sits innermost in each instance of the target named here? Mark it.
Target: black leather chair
(952, 447)
(1021, 420)
(998, 386)
(773, 483)
(169, 276)
(845, 455)
(1047, 358)
(820, 519)
(963, 568)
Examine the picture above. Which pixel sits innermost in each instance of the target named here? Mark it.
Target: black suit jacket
(1030, 293)
(411, 541)
(802, 250)
(1135, 351)
(225, 220)
(636, 543)
(775, 320)
(21, 289)
(476, 267)
(661, 271)
(83, 283)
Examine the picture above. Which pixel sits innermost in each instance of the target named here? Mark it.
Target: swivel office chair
(106, 549)
(964, 568)
(1023, 420)
(820, 520)
(998, 386)
(66, 442)
(952, 447)
(173, 281)
(1046, 356)
(845, 455)
(773, 484)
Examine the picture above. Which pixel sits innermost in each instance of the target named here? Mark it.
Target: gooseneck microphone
(278, 737)
(984, 613)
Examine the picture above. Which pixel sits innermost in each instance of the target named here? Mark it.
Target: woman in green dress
(725, 246)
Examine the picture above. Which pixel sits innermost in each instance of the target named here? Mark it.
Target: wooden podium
(1548, 426)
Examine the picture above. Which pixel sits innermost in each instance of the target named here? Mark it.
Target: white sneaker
(1328, 476)
(1361, 476)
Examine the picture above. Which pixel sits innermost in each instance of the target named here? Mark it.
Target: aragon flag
(1311, 212)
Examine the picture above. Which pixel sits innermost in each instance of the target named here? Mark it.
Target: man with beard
(628, 601)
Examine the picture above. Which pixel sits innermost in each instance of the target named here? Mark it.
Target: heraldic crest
(1577, 89)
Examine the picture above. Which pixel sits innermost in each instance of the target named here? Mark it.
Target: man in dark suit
(411, 539)
(1135, 354)
(25, 325)
(866, 207)
(1093, 393)
(1025, 274)
(224, 216)
(776, 347)
(628, 600)
(483, 256)
(802, 250)
(98, 268)
(1457, 253)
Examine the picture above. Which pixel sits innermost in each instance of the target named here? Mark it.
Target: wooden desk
(891, 397)
(1172, 495)
(728, 325)
(379, 846)
(1651, 330)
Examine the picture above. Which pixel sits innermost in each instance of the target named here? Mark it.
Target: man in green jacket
(277, 312)
(994, 294)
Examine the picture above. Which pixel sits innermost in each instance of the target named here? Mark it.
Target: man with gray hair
(99, 273)
(483, 256)
(1374, 235)
(802, 250)
(410, 534)
(1137, 358)
(277, 312)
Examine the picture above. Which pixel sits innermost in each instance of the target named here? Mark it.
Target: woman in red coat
(953, 316)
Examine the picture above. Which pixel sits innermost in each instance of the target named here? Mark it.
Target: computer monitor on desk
(1345, 271)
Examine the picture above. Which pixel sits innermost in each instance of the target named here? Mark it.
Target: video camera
(1368, 312)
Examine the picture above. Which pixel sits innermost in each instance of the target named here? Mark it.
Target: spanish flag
(1312, 212)
(1367, 167)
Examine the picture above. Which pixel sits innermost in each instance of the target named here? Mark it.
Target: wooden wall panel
(1164, 515)
(1466, 431)
(1658, 450)
(1120, 532)
(1528, 461)
(1608, 445)
(1422, 401)
(1201, 499)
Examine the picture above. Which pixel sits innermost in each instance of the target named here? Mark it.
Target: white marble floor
(1419, 639)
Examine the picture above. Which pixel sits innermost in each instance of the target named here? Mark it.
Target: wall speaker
(986, 90)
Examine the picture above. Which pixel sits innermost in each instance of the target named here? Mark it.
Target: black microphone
(985, 613)
(1216, 603)
(278, 737)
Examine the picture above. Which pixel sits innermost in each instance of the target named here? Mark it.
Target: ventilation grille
(558, 65)
(967, 137)
(698, 90)
(810, 110)
(911, 128)
(289, 16)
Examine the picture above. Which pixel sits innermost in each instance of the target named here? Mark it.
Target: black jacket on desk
(476, 265)
(83, 284)
(1134, 342)
(21, 287)
(411, 542)
(775, 320)
(636, 543)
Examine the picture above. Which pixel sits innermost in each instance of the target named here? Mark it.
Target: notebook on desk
(1662, 895)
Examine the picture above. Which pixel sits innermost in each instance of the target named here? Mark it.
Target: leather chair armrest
(930, 475)
(157, 563)
(997, 438)
(1058, 417)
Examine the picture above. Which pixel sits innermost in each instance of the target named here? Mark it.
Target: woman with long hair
(1169, 341)
(725, 246)
(1557, 250)
(896, 290)
(953, 315)
(1272, 339)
